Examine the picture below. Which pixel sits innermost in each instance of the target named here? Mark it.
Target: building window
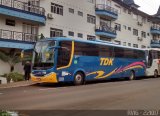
(143, 46)
(117, 42)
(71, 10)
(91, 19)
(56, 32)
(30, 29)
(129, 12)
(90, 37)
(125, 27)
(129, 28)
(124, 43)
(80, 13)
(143, 34)
(10, 22)
(70, 33)
(117, 27)
(129, 44)
(135, 32)
(57, 9)
(148, 34)
(124, 10)
(135, 45)
(144, 20)
(80, 35)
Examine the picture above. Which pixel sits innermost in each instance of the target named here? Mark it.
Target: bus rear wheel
(132, 75)
(78, 78)
(155, 74)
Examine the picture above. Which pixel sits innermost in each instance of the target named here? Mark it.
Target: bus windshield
(43, 56)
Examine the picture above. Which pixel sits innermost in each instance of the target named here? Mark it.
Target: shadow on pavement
(59, 85)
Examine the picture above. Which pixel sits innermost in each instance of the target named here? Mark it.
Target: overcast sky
(148, 6)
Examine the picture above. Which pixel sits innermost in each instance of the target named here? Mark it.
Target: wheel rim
(131, 76)
(155, 74)
(78, 78)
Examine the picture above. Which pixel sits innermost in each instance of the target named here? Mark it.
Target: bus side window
(64, 53)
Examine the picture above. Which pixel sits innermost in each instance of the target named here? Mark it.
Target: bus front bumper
(49, 78)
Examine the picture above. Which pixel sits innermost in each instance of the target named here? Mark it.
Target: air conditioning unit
(49, 16)
(140, 39)
(140, 23)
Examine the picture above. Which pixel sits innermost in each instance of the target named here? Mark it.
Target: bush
(14, 76)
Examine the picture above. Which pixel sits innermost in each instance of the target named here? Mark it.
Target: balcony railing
(20, 36)
(155, 27)
(106, 29)
(155, 42)
(23, 6)
(106, 8)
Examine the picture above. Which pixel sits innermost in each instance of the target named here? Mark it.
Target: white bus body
(153, 62)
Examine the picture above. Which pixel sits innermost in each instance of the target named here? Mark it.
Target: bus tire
(155, 74)
(78, 78)
(132, 75)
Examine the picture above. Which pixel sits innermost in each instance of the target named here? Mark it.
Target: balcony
(19, 40)
(106, 31)
(155, 30)
(155, 43)
(107, 12)
(22, 10)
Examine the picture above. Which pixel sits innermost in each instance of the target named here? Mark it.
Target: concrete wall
(126, 35)
(5, 68)
(69, 21)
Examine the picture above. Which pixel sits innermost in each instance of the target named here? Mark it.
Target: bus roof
(100, 42)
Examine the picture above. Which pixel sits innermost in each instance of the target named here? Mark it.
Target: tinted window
(86, 49)
(128, 53)
(64, 53)
(119, 52)
(105, 51)
(155, 54)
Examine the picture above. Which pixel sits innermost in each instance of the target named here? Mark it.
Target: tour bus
(153, 62)
(66, 60)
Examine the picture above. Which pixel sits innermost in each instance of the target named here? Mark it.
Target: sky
(148, 6)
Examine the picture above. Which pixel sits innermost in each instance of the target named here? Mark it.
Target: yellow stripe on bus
(70, 62)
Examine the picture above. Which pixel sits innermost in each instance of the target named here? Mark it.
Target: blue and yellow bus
(66, 60)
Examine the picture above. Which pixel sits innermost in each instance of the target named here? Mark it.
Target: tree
(12, 59)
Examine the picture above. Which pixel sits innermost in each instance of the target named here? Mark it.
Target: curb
(17, 84)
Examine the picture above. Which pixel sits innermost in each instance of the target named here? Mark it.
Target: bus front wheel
(132, 75)
(78, 78)
(155, 74)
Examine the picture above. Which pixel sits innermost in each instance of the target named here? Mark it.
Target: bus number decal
(106, 61)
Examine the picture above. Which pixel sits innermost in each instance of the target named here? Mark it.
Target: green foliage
(3, 57)
(14, 76)
(4, 113)
(11, 59)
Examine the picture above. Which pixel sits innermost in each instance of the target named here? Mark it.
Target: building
(21, 23)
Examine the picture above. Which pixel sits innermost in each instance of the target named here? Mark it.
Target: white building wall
(127, 36)
(4, 68)
(69, 21)
(17, 27)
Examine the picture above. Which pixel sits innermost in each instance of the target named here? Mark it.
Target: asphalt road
(117, 95)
